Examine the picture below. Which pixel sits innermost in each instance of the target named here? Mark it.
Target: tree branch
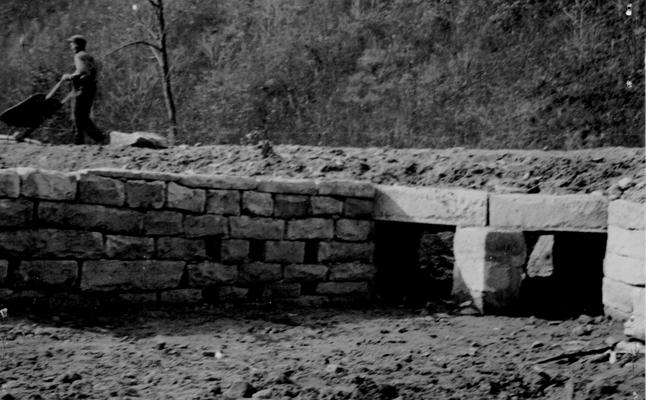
(141, 42)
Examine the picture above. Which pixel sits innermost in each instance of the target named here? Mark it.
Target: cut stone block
(163, 223)
(223, 202)
(9, 183)
(177, 248)
(49, 273)
(624, 269)
(323, 205)
(626, 214)
(257, 228)
(51, 243)
(358, 208)
(290, 206)
(635, 327)
(282, 290)
(288, 186)
(352, 272)
(306, 301)
(205, 225)
(183, 198)
(342, 251)
(129, 247)
(48, 185)
(260, 272)
(181, 296)
(131, 275)
(90, 217)
(541, 260)
(4, 271)
(346, 188)
(353, 230)
(234, 250)
(16, 212)
(548, 212)
(100, 190)
(306, 272)
(284, 252)
(630, 243)
(209, 273)
(232, 293)
(342, 288)
(310, 228)
(617, 295)
(255, 203)
(488, 267)
(462, 207)
(219, 182)
(121, 173)
(144, 194)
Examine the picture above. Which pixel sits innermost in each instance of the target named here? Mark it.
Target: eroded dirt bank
(311, 354)
(534, 171)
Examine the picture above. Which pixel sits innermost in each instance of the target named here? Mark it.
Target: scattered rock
(70, 377)
(138, 139)
(263, 394)
(239, 389)
(582, 330)
(625, 183)
(536, 344)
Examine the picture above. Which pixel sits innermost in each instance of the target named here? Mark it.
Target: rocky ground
(615, 172)
(380, 353)
(271, 353)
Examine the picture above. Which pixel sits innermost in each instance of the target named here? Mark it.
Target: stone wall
(180, 238)
(149, 236)
(625, 262)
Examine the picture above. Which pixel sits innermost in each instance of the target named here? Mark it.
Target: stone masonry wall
(181, 238)
(625, 262)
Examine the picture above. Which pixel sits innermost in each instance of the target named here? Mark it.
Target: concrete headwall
(153, 236)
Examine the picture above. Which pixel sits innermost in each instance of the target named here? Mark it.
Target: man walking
(84, 80)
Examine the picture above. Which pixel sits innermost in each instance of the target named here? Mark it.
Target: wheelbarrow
(33, 111)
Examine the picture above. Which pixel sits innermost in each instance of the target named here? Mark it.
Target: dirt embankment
(216, 354)
(525, 171)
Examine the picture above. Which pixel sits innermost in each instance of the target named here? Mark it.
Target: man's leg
(77, 119)
(83, 121)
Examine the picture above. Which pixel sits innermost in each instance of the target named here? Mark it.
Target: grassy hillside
(403, 73)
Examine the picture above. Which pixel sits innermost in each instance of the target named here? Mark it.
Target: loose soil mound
(534, 171)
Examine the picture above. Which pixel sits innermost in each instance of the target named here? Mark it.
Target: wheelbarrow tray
(32, 112)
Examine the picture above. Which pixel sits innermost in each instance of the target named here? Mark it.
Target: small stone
(333, 369)
(624, 183)
(263, 394)
(160, 345)
(582, 330)
(611, 341)
(536, 344)
(239, 389)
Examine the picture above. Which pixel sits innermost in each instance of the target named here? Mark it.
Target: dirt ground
(273, 353)
(333, 354)
(525, 171)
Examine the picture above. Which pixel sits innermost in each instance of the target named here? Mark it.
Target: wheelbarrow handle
(55, 88)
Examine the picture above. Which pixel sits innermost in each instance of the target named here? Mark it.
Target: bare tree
(156, 30)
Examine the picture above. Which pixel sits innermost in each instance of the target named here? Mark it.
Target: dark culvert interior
(563, 272)
(414, 262)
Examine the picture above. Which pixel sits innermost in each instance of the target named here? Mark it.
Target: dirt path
(310, 354)
(533, 171)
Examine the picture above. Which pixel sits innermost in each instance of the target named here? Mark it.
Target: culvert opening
(414, 262)
(563, 275)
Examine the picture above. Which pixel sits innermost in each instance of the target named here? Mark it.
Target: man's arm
(82, 64)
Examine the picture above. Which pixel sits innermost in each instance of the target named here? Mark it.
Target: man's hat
(78, 39)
